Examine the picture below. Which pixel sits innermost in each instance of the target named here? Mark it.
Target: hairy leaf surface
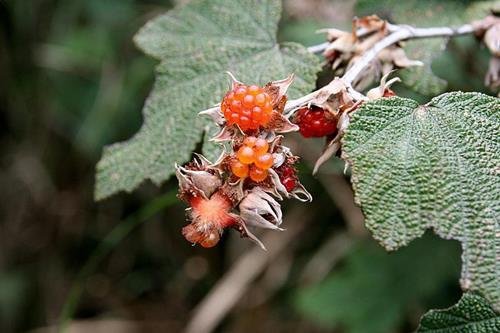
(196, 44)
(471, 314)
(432, 166)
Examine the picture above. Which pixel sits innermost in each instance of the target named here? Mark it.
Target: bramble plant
(414, 167)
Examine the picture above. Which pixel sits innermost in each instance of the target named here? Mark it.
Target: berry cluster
(252, 159)
(249, 107)
(315, 122)
(242, 189)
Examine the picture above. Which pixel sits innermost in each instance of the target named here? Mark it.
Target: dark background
(71, 81)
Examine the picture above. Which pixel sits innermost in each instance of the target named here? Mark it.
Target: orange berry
(249, 107)
(248, 101)
(261, 146)
(257, 174)
(239, 169)
(260, 100)
(246, 155)
(239, 93)
(250, 141)
(254, 90)
(264, 161)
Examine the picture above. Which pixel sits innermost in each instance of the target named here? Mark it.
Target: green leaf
(471, 314)
(421, 13)
(196, 44)
(375, 291)
(432, 166)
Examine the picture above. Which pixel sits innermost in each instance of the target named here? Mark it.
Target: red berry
(247, 106)
(288, 177)
(290, 183)
(287, 171)
(316, 122)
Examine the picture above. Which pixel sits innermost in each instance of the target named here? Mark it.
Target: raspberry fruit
(289, 183)
(246, 155)
(249, 107)
(264, 161)
(239, 169)
(288, 177)
(259, 145)
(315, 122)
(252, 159)
(258, 174)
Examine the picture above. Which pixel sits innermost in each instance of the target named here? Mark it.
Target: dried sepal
(197, 179)
(215, 114)
(346, 48)
(492, 78)
(280, 124)
(492, 39)
(277, 90)
(384, 89)
(245, 232)
(259, 209)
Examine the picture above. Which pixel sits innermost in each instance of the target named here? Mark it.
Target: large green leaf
(196, 44)
(432, 166)
(422, 13)
(470, 315)
(375, 291)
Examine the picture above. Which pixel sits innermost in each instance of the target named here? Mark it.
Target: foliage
(72, 81)
(373, 291)
(196, 44)
(432, 166)
(471, 314)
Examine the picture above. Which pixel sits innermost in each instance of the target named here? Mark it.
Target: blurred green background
(71, 81)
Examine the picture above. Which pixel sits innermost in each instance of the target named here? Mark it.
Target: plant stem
(396, 34)
(403, 32)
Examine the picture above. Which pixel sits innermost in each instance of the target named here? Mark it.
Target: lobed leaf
(196, 44)
(432, 166)
(471, 314)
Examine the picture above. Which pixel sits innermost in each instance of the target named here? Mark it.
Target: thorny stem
(403, 32)
(397, 33)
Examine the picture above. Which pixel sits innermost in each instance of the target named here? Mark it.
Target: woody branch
(396, 34)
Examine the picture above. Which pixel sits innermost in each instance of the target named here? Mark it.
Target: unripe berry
(250, 141)
(239, 169)
(264, 161)
(315, 122)
(261, 146)
(247, 106)
(257, 174)
(246, 155)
